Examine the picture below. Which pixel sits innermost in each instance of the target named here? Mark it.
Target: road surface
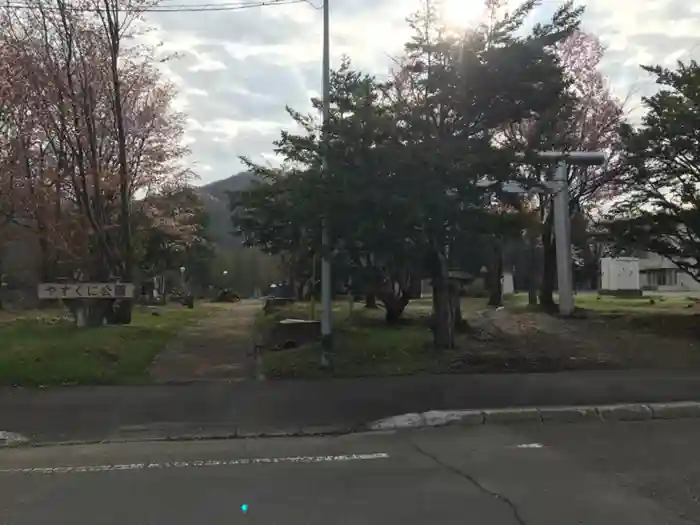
(643, 473)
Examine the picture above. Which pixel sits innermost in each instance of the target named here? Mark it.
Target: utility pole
(326, 307)
(562, 238)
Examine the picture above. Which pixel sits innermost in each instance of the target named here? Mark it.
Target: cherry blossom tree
(87, 132)
(587, 116)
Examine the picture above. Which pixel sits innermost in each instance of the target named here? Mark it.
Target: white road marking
(530, 445)
(194, 464)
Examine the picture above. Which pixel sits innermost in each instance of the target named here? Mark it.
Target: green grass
(648, 304)
(47, 349)
(363, 345)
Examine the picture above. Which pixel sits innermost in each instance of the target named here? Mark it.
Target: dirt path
(219, 347)
(597, 341)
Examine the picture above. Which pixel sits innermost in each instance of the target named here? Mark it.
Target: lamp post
(562, 222)
(326, 308)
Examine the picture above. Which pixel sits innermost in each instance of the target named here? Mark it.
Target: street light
(562, 222)
(326, 310)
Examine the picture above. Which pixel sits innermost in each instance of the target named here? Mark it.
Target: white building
(660, 274)
(620, 275)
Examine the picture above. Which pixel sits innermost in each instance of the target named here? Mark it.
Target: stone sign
(86, 291)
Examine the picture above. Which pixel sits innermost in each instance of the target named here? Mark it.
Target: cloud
(239, 69)
(642, 33)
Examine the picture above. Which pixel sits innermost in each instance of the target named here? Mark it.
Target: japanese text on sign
(85, 290)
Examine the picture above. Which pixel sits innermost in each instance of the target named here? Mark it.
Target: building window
(663, 277)
(672, 277)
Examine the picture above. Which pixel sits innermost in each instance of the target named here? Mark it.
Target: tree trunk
(392, 315)
(496, 273)
(121, 312)
(394, 307)
(114, 28)
(46, 261)
(443, 329)
(394, 297)
(532, 271)
(370, 301)
(443, 334)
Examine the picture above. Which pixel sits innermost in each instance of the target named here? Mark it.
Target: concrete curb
(562, 414)
(313, 431)
(12, 439)
(432, 418)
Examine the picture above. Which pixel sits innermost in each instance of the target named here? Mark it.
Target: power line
(174, 8)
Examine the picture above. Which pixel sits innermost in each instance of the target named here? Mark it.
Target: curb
(562, 414)
(313, 431)
(12, 439)
(432, 418)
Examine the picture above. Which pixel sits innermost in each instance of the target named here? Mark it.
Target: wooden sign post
(76, 295)
(86, 291)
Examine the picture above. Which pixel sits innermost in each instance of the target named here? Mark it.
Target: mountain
(216, 203)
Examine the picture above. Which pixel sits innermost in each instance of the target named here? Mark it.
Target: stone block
(682, 409)
(435, 418)
(633, 412)
(569, 414)
(512, 415)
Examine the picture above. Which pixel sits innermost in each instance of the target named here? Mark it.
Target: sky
(237, 70)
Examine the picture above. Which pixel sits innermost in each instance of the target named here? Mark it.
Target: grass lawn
(660, 332)
(647, 304)
(44, 348)
(678, 304)
(364, 345)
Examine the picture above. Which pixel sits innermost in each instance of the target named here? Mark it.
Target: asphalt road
(644, 473)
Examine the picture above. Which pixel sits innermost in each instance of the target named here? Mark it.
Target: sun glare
(462, 13)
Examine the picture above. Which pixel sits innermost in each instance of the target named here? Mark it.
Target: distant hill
(216, 203)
